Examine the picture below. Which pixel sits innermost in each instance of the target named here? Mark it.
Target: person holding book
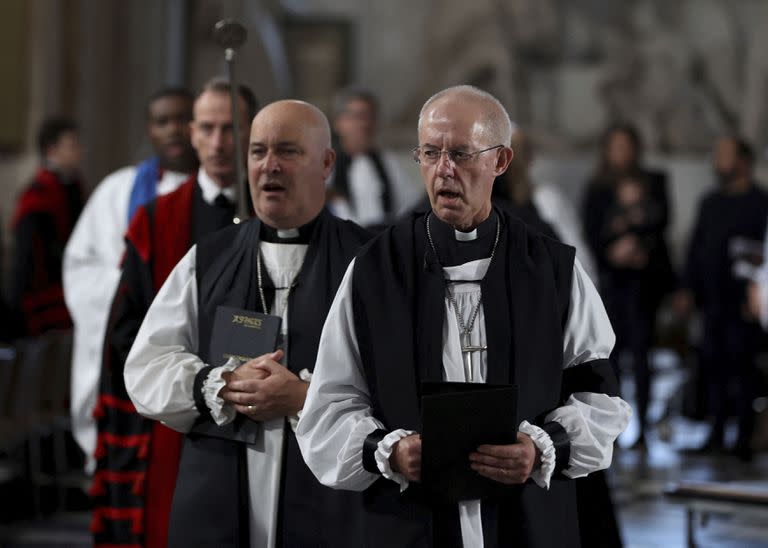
(464, 293)
(242, 481)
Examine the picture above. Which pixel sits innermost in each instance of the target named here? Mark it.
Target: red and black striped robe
(137, 458)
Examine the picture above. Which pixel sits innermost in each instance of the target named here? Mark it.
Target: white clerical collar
(211, 189)
(465, 236)
(285, 233)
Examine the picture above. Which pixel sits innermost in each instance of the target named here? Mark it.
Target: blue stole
(144, 185)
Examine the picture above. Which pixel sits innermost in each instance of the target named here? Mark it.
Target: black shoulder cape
(211, 501)
(398, 295)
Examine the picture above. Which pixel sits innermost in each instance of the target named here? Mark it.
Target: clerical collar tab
(465, 236)
(287, 233)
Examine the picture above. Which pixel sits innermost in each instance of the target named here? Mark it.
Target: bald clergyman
(287, 262)
(463, 293)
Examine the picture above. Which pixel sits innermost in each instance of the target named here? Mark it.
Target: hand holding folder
(457, 418)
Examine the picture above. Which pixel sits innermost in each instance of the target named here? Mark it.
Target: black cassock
(210, 506)
(526, 301)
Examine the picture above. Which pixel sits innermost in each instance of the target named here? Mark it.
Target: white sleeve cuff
(541, 474)
(593, 422)
(306, 376)
(221, 412)
(384, 450)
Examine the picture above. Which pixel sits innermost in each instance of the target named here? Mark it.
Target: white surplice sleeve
(337, 414)
(592, 421)
(162, 364)
(91, 272)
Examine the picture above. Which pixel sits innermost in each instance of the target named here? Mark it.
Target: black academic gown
(211, 500)
(730, 341)
(527, 297)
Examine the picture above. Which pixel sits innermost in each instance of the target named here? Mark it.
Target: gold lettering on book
(247, 321)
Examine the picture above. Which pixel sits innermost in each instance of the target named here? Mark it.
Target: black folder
(456, 419)
(245, 335)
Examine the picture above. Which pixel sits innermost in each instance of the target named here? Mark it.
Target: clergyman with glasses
(463, 293)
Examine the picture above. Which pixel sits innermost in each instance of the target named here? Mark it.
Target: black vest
(398, 295)
(210, 505)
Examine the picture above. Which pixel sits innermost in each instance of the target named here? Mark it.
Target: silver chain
(465, 330)
(261, 285)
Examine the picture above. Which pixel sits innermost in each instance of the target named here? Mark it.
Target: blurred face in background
(620, 152)
(169, 132)
(66, 154)
(726, 160)
(356, 126)
(213, 135)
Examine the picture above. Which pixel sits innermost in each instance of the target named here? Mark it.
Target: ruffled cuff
(306, 376)
(221, 412)
(541, 474)
(383, 452)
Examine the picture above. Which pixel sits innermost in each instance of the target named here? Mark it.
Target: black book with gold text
(244, 335)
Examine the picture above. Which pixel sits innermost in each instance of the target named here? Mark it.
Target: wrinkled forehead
(277, 129)
(454, 123)
(213, 105)
(288, 127)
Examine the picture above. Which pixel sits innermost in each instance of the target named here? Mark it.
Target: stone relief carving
(683, 72)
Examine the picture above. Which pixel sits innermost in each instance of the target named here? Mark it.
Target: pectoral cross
(467, 349)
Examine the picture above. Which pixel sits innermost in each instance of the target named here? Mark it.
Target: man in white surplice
(92, 257)
(342, 433)
(369, 185)
(288, 262)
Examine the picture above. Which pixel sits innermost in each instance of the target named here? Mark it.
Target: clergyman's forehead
(455, 127)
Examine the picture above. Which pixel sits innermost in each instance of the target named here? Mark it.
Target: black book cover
(245, 335)
(242, 334)
(457, 418)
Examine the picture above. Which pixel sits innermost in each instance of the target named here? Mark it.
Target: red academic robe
(137, 458)
(45, 214)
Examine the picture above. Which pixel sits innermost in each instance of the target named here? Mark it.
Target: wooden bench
(748, 498)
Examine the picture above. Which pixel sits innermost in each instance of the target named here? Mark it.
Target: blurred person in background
(368, 184)
(93, 254)
(635, 271)
(736, 211)
(45, 214)
(540, 203)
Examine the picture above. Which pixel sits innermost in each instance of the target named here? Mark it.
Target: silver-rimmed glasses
(431, 155)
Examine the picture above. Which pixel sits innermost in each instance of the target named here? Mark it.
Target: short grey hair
(496, 118)
(346, 95)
